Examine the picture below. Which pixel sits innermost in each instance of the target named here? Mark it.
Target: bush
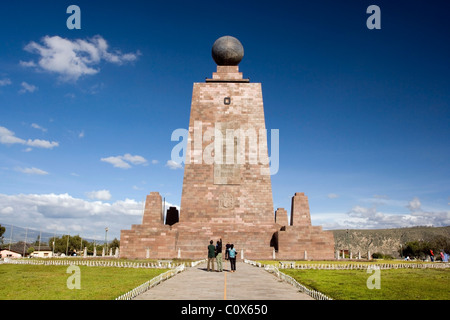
(379, 255)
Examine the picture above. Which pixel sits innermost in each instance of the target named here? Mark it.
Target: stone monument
(227, 191)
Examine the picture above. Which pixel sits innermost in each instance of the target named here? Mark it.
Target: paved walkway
(247, 283)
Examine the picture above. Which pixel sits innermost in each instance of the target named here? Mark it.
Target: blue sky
(86, 115)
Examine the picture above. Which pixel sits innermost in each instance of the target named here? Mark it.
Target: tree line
(66, 244)
(420, 249)
(70, 245)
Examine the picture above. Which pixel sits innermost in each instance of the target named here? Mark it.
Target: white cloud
(7, 210)
(116, 162)
(332, 196)
(414, 204)
(41, 143)
(36, 126)
(32, 171)
(173, 165)
(72, 59)
(8, 137)
(63, 213)
(155, 161)
(5, 82)
(26, 87)
(361, 217)
(125, 161)
(27, 63)
(134, 159)
(81, 134)
(99, 195)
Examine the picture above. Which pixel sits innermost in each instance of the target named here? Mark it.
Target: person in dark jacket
(219, 255)
(227, 247)
(211, 255)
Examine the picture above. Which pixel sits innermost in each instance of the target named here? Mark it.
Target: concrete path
(247, 283)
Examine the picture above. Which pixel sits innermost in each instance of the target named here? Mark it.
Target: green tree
(2, 231)
(419, 249)
(66, 244)
(114, 244)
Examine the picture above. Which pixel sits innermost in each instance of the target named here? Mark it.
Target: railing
(151, 283)
(103, 263)
(272, 269)
(361, 266)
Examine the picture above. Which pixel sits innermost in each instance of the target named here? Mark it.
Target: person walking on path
(211, 255)
(232, 257)
(219, 255)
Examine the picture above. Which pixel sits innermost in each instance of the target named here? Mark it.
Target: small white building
(5, 253)
(44, 252)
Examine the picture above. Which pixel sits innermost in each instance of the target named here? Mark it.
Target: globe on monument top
(227, 51)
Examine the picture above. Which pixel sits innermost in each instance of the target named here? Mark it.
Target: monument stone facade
(227, 191)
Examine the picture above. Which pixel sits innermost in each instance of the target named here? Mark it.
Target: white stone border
(272, 269)
(156, 280)
(101, 263)
(361, 266)
(151, 283)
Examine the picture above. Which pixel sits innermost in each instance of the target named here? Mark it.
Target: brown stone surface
(227, 191)
(300, 215)
(281, 217)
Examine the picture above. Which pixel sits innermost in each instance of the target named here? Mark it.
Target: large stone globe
(227, 51)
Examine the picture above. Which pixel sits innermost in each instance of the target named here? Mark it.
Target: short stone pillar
(306, 255)
(116, 253)
(95, 251)
(147, 253)
(85, 252)
(179, 253)
(274, 254)
(103, 252)
(110, 252)
(242, 254)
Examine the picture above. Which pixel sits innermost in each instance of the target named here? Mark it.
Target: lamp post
(106, 240)
(67, 246)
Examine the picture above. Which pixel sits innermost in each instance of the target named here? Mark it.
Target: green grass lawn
(395, 284)
(38, 282)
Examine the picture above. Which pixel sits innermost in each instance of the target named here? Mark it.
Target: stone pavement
(247, 283)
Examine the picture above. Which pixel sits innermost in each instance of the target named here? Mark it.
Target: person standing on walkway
(211, 255)
(232, 257)
(227, 247)
(219, 255)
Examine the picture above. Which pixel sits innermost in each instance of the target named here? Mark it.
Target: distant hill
(386, 241)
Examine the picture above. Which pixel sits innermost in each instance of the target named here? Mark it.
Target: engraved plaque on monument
(227, 168)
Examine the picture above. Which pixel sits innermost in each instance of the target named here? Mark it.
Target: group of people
(215, 252)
